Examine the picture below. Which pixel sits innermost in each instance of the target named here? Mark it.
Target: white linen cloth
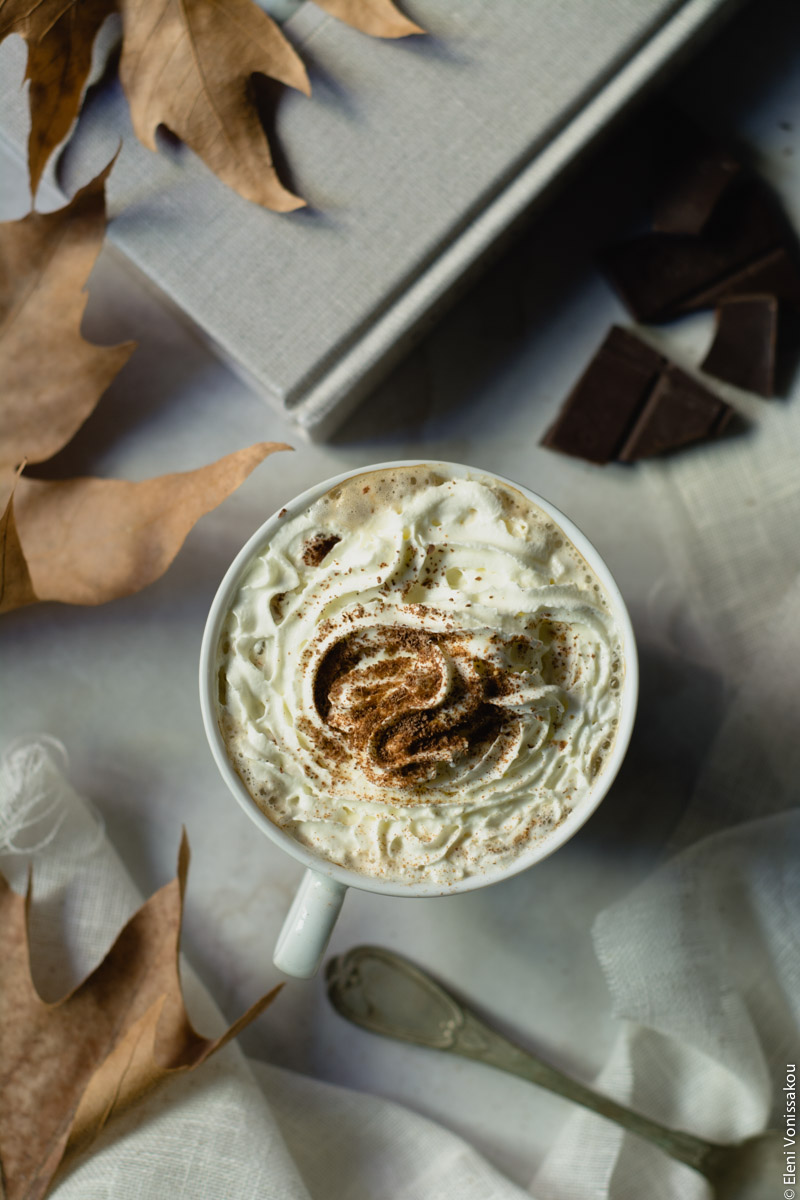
(703, 959)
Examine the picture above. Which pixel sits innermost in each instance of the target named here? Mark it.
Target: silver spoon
(387, 994)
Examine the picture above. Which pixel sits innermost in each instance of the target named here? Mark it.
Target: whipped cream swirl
(419, 675)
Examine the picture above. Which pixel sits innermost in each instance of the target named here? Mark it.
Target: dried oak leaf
(52, 377)
(379, 18)
(60, 35)
(16, 589)
(88, 541)
(188, 65)
(67, 1068)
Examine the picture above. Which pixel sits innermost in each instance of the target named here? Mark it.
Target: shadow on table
(512, 302)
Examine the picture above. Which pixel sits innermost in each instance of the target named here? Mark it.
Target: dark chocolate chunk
(774, 274)
(604, 403)
(621, 343)
(743, 350)
(679, 411)
(661, 276)
(688, 201)
(632, 403)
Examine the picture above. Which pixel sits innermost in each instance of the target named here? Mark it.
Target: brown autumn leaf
(60, 35)
(379, 18)
(81, 541)
(16, 589)
(68, 1068)
(188, 65)
(88, 541)
(52, 377)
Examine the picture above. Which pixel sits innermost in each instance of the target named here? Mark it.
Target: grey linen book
(413, 155)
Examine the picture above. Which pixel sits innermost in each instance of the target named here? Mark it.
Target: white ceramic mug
(316, 906)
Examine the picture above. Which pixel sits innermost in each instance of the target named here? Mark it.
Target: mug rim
(550, 842)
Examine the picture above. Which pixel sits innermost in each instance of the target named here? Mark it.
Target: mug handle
(308, 926)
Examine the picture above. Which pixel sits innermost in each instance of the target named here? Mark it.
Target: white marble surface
(118, 684)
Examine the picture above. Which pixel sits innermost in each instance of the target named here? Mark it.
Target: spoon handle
(478, 1041)
(387, 994)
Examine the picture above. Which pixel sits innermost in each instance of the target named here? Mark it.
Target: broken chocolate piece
(606, 399)
(774, 274)
(679, 411)
(689, 200)
(743, 350)
(630, 403)
(661, 276)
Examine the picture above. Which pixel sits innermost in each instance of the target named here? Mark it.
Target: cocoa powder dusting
(318, 548)
(403, 702)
